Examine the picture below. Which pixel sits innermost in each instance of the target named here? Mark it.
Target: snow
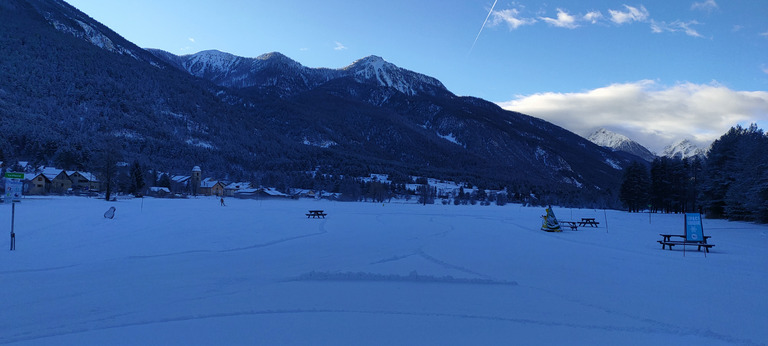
(260, 272)
(319, 143)
(209, 61)
(605, 138)
(200, 143)
(612, 163)
(683, 149)
(451, 138)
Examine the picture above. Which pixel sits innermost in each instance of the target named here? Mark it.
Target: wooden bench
(316, 214)
(588, 221)
(572, 224)
(667, 241)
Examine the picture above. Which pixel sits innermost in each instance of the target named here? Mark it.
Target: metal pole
(13, 221)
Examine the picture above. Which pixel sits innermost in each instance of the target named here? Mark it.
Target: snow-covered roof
(180, 178)
(238, 186)
(31, 176)
(273, 192)
(269, 191)
(50, 172)
(209, 183)
(86, 175)
(159, 188)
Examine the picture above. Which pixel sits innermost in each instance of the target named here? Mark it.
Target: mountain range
(74, 91)
(681, 149)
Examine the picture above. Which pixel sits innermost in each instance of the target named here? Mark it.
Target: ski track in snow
(250, 247)
(37, 270)
(652, 327)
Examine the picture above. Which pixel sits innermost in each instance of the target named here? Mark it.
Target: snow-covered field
(259, 272)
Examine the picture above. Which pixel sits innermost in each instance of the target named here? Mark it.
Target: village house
(39, 184)
(160, 192)
(61, 183)
(260, 193)
(84, 181)
(49, 180)
(211, 188)
(180, 183)
(232, 188)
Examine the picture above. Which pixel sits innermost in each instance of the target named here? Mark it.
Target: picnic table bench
(316, 214)
(588, 221)
(667, 241)
(572, 224)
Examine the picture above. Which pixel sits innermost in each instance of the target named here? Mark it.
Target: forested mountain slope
(70, 98)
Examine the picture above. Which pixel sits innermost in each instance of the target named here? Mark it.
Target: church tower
(196, 179)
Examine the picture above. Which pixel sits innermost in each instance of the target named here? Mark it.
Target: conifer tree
(634, 188)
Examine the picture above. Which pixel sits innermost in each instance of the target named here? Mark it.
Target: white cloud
(632, 14)
(512, 18)
(191, 39)
(649, 113)
(339, 46)
(676, 26)
(563, 20)
(708, 5)
(764, 34)
(764, 69)
(593, 16)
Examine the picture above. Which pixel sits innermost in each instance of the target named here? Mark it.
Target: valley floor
(260, 272)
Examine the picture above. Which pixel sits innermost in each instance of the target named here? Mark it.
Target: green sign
(12, 175)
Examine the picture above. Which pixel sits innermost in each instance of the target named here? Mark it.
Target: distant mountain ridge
(237, 72)
(683, 149)
(606, 138)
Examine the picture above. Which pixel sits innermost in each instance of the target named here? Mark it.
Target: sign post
(13, 191)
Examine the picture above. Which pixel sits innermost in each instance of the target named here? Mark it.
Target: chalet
(304, 193)
(180, 183)
(61, 183)
(40, 184)
(84, 181)
(211, 188)
(157, 191)
(232, 188)
(260, 193)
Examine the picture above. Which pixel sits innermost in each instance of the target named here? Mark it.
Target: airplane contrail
(483, 26)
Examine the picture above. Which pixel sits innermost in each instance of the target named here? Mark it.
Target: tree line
(730, 182)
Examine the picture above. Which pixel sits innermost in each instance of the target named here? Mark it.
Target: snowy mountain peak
(605, 138)
(616, 141)
(371, 60)
(683, 149)
(279, 58)
(375, 69)
(200, 63)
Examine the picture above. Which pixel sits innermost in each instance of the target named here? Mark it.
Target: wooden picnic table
(667, 241)
(572, 224)
(588, 221)
(316, 214)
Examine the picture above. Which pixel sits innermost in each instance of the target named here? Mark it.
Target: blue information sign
(693, 228)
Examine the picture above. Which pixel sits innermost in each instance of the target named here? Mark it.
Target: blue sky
(654, 70)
